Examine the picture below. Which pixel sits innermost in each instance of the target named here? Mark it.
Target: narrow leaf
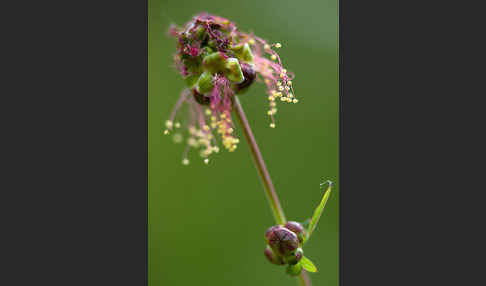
(307, 264)
(318, 211)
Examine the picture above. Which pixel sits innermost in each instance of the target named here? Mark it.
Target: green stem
(270, 192)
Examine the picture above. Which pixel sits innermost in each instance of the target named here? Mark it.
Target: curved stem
(270, 192)
(260, 165)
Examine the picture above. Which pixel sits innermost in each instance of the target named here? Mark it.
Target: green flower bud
(214, 62)
(233, 70)
(205, 83)
(294, 270)
(296, 228)
(272, 257)
(191, 80)
(243, 52)
(295, 256)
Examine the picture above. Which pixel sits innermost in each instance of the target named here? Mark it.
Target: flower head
(217, 62)
(283, 245)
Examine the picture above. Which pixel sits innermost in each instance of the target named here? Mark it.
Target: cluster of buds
(284, 245)
(217, 62)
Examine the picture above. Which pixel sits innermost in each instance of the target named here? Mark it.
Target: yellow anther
(278, 45)
(273, 57)
(206, 128)
(169, 124)
(251, 41)
(272, 125)
(269, 112)
(203, 141)
(166, 132)
(223, 115)
(177, 138)
(208, 112)
(279, 94)
(295, 100)
(281, 88)
(192, 142)
(282, 75)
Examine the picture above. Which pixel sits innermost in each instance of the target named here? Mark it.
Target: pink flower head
(219, 62)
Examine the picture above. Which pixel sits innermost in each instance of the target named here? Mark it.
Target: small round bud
(249, 73)
(295, 256)
(200, 98)
(283, 241)
(272, 257)
(294, 270)
(296, 228)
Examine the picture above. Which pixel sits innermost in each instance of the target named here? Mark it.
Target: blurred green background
(206, 223)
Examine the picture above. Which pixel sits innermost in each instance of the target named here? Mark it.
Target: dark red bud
(281, 240)
(272, 257)
(200, 98)
(296, 228)
(249, 73)
(295, 256)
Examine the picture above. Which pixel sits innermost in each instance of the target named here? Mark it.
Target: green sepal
(191, 80)
(233, 71)
(214, 62)
(294, 270)
(205, 83)
(243, 52)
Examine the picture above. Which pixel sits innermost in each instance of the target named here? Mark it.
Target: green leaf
(308, 265)
(318, 211)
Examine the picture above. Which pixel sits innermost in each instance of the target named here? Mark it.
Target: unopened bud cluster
(284, 245)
